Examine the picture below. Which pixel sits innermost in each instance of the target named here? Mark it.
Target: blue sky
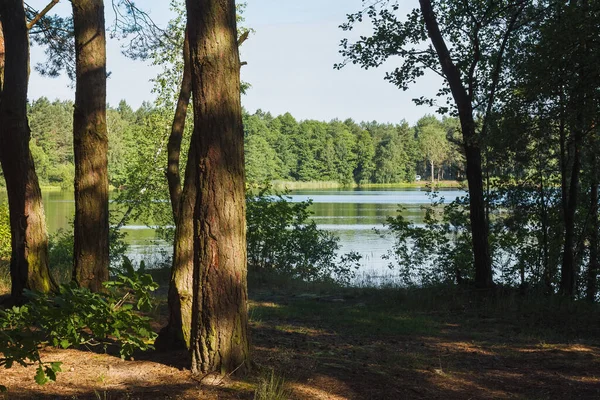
(290, 65)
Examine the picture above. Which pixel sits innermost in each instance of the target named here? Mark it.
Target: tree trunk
(90, 145)
(432, 172)
(176, 334)
(567, 276)
(592, 272)
(479, 227)
(177, 129)
(219, 336)
(29, 238)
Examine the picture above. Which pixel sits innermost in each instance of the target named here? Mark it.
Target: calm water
(351, 214)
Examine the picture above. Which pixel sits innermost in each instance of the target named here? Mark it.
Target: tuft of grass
(271, 387)
(4, 278)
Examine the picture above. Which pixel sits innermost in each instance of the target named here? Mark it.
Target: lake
(351, 214)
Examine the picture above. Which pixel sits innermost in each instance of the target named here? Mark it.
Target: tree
(219, 317)
(177, 333)
(468, 42)
(29, 239)
(365, 151)
(432, 141)
(90, 145)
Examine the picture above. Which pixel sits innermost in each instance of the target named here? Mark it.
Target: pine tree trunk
(219, 336)
(90, 145)
(29, 238)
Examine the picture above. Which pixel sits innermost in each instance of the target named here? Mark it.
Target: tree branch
(497, 68)
(41, 14)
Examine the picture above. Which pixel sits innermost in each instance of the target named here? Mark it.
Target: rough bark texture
(176, 335)
(219, 318)
(90, 145)
(29, 239)
(479, 227)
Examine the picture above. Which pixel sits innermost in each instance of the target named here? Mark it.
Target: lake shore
(294, 185)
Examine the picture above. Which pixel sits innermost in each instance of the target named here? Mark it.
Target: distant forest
(277, 148)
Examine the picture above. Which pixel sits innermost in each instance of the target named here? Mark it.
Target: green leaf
(65, 343)
(50, 374)
(40, 376)
(3, 389)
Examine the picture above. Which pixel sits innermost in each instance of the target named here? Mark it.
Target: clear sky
(290, 65)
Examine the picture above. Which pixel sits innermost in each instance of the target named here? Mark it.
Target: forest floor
(364, 344)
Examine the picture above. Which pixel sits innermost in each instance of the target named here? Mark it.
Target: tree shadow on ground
(345, 350)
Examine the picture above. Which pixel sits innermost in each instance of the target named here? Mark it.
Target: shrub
(439, 251)
(282, 239)
(76, 317)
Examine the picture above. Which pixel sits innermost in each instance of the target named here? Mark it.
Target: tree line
(276, 148)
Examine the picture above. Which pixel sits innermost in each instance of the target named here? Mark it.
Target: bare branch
(41, 14)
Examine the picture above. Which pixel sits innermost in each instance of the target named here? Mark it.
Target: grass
(388, 342)
(271, 387)
(4, 278)
(420, 311)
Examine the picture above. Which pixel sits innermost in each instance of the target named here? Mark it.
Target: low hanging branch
(41, 14)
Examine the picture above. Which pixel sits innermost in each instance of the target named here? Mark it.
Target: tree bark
(176, 335)
(593, 267)
(90, 145)
(567, 276)
(479, 226)
(29, 238)
(177, 129)
(219, 336)
(432, 172)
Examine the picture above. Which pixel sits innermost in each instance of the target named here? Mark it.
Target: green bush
(282, 239)
(76, 317)
(439, 251)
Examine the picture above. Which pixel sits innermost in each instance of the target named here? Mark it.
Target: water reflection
(356, 216)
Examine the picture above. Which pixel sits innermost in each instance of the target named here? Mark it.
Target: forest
(276, 148)
(497, 295)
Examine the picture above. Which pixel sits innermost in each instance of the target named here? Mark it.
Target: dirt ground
(345, 348)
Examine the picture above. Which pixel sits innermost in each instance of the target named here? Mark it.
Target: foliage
(76, 317)
(282, 239)
(439, 251)
(60, 252)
